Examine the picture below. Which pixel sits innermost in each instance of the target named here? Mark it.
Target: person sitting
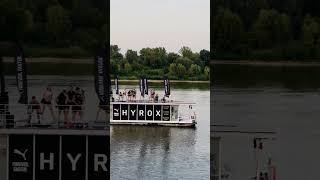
(34, 105)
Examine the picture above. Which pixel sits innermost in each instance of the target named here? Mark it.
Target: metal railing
(54, 116)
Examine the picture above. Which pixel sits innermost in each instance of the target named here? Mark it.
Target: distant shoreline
(265, 63)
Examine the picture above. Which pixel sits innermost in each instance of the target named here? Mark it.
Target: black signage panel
(20, 157)
(141, 112)
(149, 112)
(73, 157)
(116, 112)
(47, 157)
(157, 112)
(133, 112)
(166, 112)
(124, 112)
(98, 156)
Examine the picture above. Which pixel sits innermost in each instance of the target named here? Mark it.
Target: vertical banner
(73, 157)
(166, 83)
(146, 87)
(2, 82)
(20, 157)
(21, 76)
(141, 86)
(47, 157)
(116, 81)
(102, 80)
(98, 156)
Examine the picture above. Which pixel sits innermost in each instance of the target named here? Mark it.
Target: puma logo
(16, 151)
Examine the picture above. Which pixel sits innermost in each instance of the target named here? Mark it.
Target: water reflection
(154, 151)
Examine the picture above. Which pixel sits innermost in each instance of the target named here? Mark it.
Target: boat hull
(161, 123)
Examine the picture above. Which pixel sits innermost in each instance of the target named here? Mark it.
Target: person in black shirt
(61, 101)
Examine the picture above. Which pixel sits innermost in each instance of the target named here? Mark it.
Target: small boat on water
(148, 109)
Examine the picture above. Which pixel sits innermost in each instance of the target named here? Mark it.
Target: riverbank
(266, 63)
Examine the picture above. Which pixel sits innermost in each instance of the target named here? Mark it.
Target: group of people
(66, 101)
(130, 95)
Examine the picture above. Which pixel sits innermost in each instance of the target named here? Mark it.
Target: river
(143, 152)
(255, 101)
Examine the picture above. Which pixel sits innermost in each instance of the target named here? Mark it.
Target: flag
(21, 75)
(166, 83)
(102, 80)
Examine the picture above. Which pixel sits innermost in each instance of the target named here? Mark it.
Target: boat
(148, 110)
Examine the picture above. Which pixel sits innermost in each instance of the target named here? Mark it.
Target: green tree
(181, 71)
(58, 24)
(173, 69)
(115, 52)
(206, 72)
(311, 30)
(127, 68)
(205, 57)
(228, 31)
(186, 52)
(194, 70)
(271, 27)
(132, 56)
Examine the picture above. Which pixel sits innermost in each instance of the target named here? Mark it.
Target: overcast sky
(136, 24)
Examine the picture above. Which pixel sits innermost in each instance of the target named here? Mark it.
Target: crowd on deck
(131, 96)
(66, 102)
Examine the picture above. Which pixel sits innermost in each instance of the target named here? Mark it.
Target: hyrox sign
(53, 157)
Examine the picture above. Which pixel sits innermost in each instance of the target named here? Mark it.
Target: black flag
(21, 76)
(141, 86)
(116, 81)
(102, 82)
(145, 80)
(166, 86)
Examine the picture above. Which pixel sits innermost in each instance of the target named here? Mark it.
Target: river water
(144, 152)
(280, 103)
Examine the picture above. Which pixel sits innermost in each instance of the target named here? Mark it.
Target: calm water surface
(284, 100)
(145, 152)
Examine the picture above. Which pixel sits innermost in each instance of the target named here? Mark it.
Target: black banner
(21, 76)
(20, 157)
(133, 111)
(146, 86)
(166, 83)
(102, 80)
(47, 157)
(141, 86)
(116, 111)
(98, 156)
(157, 112)
(116, 81)
(149, 112)
(166, 112)
(124, 112)
(141, 112)
(73, 157)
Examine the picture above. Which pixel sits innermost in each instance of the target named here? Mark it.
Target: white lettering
(101, 163)
(158, 113)
(133, 112)
(124, 112)
(73, 161)
(141, 112)
(49, 161)
(149, 113)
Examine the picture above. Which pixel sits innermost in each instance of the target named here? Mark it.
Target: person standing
(34, 105)
(46, 101)
(61, 102)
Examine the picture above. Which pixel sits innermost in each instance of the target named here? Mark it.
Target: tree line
(157, 62)
(54, 27)
(266, 29)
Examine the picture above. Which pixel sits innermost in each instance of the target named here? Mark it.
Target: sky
(136, 24)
